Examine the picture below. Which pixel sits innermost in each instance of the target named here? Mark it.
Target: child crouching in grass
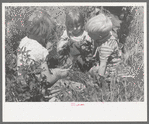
(75, 40)
(99, 28)
(40, 31)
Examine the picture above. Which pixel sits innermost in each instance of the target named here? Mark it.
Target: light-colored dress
(35, 50)
(29, 52)
(74, 43)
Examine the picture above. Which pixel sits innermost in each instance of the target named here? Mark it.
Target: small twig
(118, 91)
(141, 98)
(111, 87)
(126, 76)
(101, 95)
(54, 91)
(50, 96)
(15, 97)
(125, 91)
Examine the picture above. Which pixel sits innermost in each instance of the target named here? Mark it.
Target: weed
(123, 82)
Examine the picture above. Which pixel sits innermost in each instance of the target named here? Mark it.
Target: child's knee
(93, 71)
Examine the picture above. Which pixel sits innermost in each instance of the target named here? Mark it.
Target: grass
(124, 82)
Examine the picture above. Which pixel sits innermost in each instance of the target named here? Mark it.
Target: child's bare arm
(56, 74)
(63, 42)
(102, 68)
(49, 46)
(46, 72)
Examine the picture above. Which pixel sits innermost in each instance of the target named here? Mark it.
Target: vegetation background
(125, 80)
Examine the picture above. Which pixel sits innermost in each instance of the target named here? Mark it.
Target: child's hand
(60, 73)
(49, 46)
(93, 71)
(83, 47)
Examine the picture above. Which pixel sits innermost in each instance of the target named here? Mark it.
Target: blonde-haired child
(74, 38)
(99, 28)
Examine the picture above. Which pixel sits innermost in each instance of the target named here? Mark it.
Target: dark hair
(74, 16)
(41, 25)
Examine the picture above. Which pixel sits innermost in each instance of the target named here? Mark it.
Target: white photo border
(63, 111)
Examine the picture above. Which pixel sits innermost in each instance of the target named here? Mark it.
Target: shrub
(124, 81)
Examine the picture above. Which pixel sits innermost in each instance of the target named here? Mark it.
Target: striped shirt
(106, 49)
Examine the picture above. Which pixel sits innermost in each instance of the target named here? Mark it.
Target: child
(40, 31)
(105, 44)
(75, 40)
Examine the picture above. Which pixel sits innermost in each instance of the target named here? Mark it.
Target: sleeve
(88, 38)
(106, 49)
(63, 41)
(64, 36)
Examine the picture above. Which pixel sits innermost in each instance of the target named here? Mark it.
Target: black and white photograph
(78, 54)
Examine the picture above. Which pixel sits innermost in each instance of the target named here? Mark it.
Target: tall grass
(123, 83)
(126, 80)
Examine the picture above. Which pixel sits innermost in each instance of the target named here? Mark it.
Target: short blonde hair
(99, 24)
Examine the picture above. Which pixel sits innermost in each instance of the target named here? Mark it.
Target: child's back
(40, 30)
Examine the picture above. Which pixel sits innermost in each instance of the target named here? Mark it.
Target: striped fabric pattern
(107, 48)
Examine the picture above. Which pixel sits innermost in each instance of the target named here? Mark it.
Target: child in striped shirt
(99, 28)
